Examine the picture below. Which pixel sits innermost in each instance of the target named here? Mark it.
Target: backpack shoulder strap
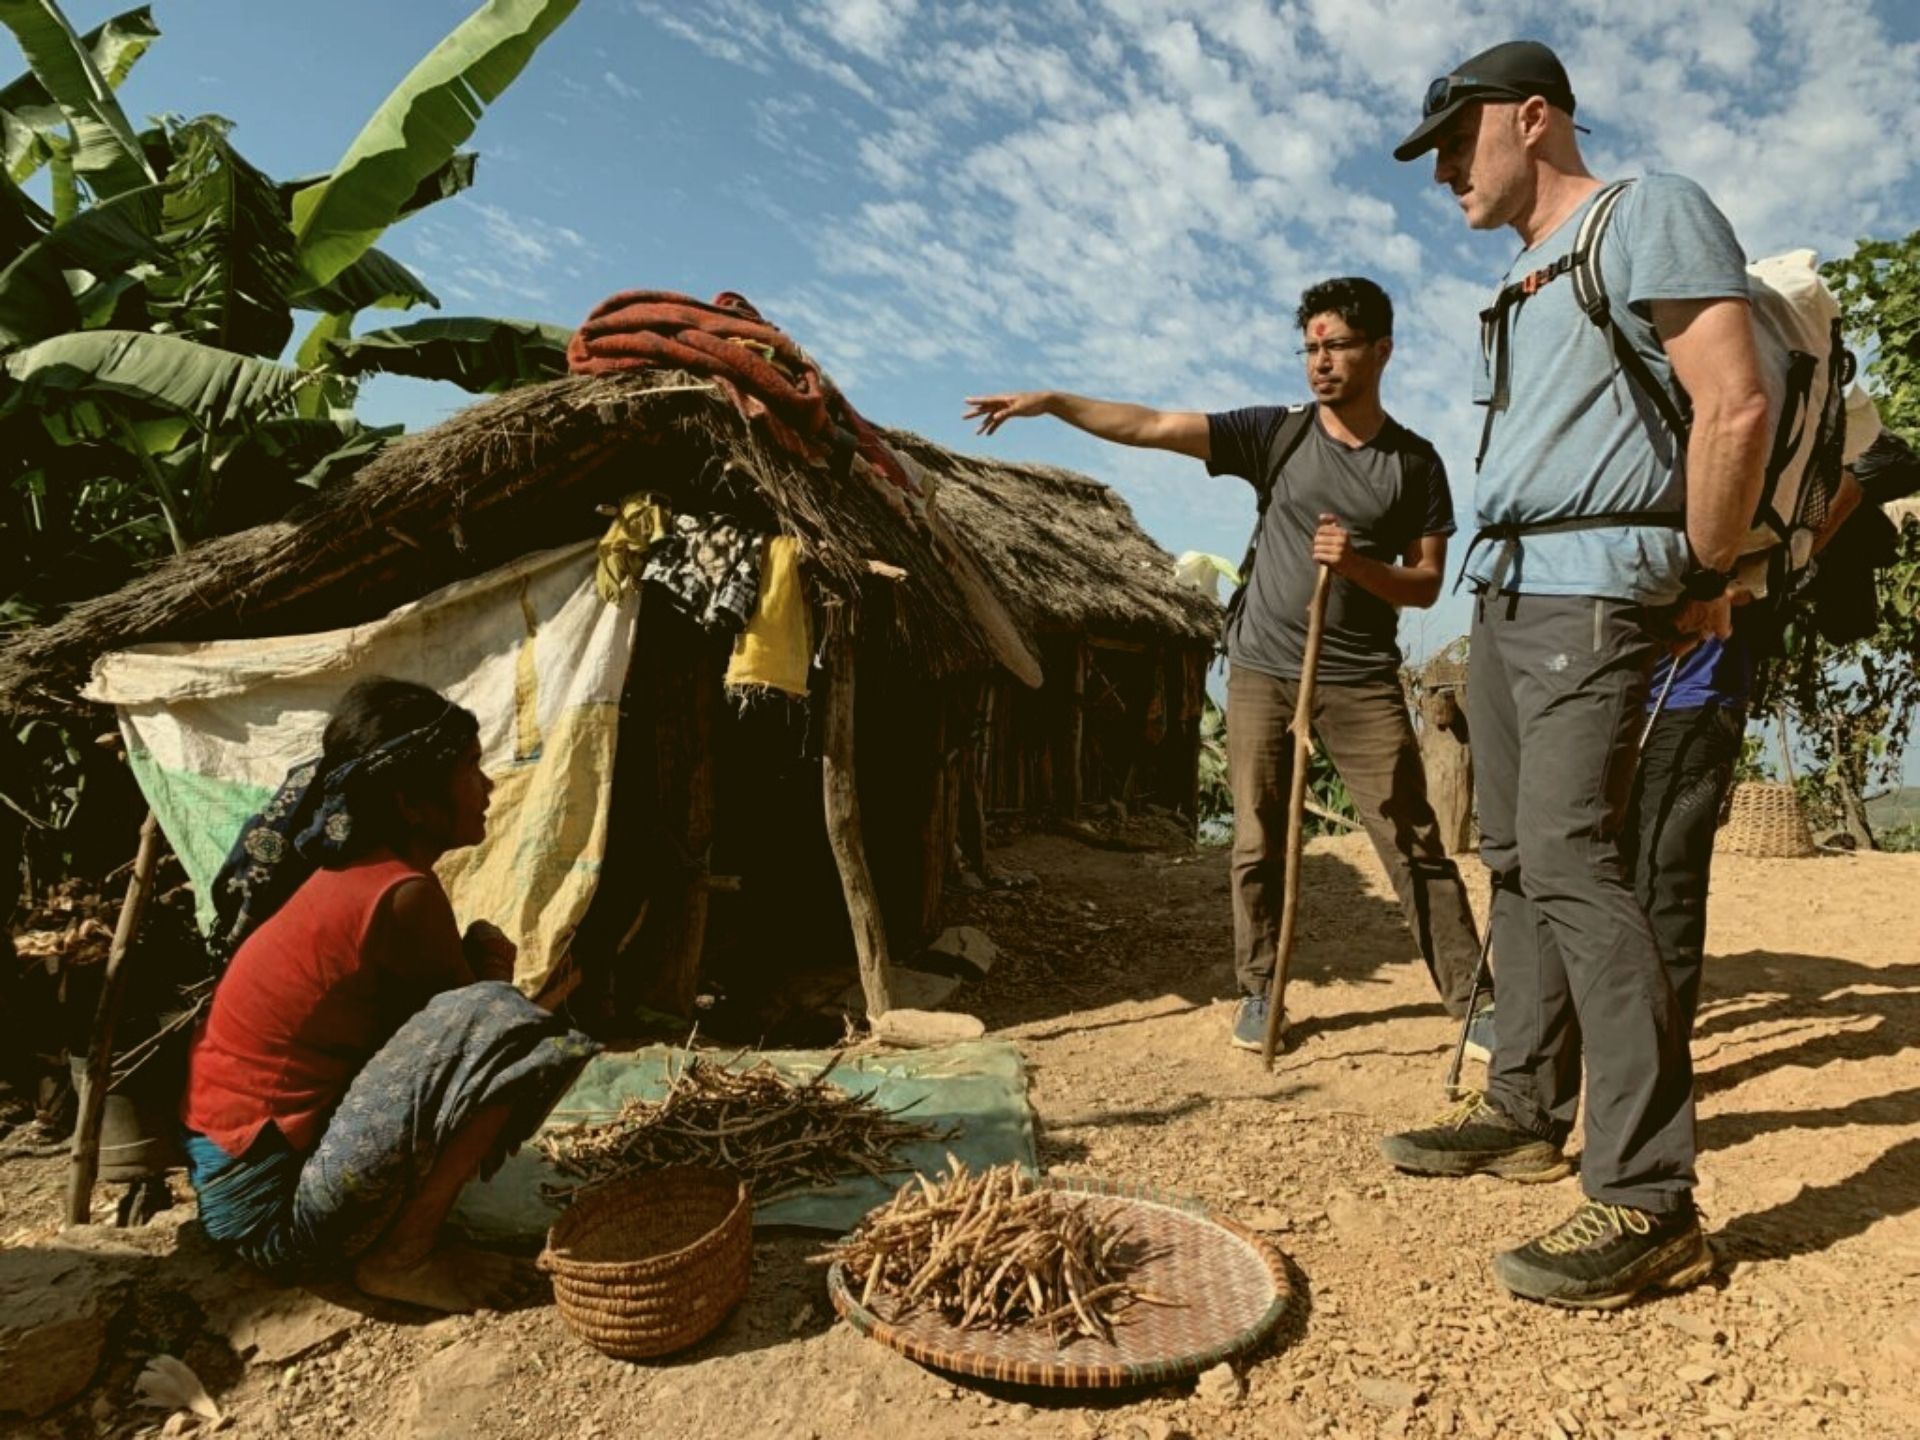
(1590, 292)
(1292, 430)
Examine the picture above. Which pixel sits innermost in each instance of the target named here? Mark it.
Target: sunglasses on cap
(1452, 89)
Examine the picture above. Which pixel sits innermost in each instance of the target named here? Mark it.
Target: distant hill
(1901, 807)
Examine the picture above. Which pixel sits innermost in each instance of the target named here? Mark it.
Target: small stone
(1388, 1394)
(1697, 1327)
(1221, 1387)
(181, 1422)
(1740, 1392)
(1696, 1374)
(1269, 1222)
(1554, 1431)
(1161, 1428)
(802, 1318)
(1442, 1417)
(1567, 1421)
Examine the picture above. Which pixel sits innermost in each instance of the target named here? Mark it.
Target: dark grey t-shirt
(1388, 493)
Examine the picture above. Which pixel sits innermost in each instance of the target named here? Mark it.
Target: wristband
(1701, 583)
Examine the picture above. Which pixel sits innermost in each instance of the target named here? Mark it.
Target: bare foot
(456, 1278)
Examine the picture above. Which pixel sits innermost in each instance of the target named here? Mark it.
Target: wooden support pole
(1076, 729)
(841, 784)
(85, 1162)
(1296, 811)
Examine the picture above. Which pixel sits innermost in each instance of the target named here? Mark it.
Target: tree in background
(1853, 706)
(149, 300)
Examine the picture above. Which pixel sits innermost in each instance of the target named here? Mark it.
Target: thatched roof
(1064, 549)
(504, 477)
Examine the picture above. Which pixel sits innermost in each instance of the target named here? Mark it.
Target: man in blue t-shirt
(1596, 534)
(1341, 483)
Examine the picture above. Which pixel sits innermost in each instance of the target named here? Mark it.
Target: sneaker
(1604, 1255)
(1250, 1024)
(1473, 1138)
(1479, 1044)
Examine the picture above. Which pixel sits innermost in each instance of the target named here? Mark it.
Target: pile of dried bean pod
(777, 1135)
(994, 1251)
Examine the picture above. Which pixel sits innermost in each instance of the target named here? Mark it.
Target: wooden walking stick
(1296, 811)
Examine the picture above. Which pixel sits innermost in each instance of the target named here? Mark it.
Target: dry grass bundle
(776, 1135)
(994, 1251)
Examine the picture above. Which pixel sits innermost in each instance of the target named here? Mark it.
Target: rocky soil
(1109, 974)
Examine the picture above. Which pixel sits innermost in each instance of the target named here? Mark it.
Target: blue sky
(1122, 197)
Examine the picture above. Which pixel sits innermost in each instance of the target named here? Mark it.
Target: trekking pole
(1296, 811)
(1480, 973)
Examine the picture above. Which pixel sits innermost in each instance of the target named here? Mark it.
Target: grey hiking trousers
(1556, 698)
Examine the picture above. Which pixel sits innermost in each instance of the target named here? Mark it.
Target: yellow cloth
(641, 520)
(777, 646)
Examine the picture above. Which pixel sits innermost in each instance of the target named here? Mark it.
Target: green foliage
(229, 260)
(147, 298)
(477, 355)
(1853, 706)
(416, 131)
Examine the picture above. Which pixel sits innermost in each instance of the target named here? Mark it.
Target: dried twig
(777, 1135)
(993, 1251)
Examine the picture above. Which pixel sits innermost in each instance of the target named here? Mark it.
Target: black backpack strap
(1293, 429)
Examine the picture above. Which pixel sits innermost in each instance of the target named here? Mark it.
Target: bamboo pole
(842, 793)
(85, 1160)
(1296, 811)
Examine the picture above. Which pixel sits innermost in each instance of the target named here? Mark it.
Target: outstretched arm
(1183, 431)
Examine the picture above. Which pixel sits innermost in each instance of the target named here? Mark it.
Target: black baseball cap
(1516, 70)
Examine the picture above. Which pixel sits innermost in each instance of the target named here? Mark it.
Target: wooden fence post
(841, 783)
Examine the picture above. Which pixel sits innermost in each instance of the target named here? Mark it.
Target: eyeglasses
(1313, 349)
(1449, 88)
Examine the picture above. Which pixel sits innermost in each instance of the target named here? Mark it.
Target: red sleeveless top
(301, 1009)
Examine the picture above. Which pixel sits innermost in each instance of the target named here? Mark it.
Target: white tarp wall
(531, 649)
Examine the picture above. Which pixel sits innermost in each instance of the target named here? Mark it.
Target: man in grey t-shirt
(1341, 483)
(1598, 535)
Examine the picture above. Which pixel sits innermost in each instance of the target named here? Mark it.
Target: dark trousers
(1556, 693)
(1368, 736)
(1686, 769)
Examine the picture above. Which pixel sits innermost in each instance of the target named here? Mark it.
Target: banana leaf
(104, 240)
(26, 108)
(229, 254)
(107, 155)
(478, 354)
(215, 389)
(449, 180)
(375, 280)
(22, 221)
(415, 131)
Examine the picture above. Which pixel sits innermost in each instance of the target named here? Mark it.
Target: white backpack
(1821, 420)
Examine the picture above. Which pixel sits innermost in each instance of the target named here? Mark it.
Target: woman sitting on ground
(361, 1059)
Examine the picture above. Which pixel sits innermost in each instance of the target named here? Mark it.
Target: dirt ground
(1109, 975)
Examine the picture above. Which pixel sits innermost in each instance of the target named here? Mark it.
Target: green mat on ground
(979, 1089)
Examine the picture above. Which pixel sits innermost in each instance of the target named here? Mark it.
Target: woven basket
(1764, 818)
(651, 1265)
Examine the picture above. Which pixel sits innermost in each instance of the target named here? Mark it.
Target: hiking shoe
(1603, 1255)
(1250, 1024)
(1473, 1138)
(1480, 1035)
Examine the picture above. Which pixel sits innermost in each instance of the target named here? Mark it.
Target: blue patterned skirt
(465, 1051)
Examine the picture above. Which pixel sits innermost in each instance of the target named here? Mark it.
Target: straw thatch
(500, 479)
(1064, 549)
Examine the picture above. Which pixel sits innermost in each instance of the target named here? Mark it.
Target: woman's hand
(490, 954)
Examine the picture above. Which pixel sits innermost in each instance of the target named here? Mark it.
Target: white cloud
(1126, 196)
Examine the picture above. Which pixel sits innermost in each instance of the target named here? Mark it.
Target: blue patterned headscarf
(309, 823)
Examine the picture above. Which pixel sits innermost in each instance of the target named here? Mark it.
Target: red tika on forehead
(1319, 329)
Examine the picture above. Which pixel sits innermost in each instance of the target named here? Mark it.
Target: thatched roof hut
(497, 480)
(928, 603)
(1124, 645)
